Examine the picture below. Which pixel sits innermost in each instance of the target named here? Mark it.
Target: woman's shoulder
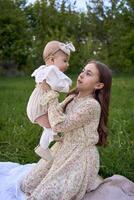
(94, 101)
(91, 103)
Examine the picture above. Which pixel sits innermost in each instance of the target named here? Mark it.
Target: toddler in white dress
(56, 56)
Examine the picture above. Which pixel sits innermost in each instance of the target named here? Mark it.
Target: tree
(14, 40)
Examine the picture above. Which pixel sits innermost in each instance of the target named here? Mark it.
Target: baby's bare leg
(43, 121)
(35, 176)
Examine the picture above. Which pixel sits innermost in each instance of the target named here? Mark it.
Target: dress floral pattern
(76, 160)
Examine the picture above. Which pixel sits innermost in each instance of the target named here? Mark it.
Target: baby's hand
(45, 86)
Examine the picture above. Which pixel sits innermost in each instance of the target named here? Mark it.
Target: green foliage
(117, 47)
(14, 41)
(104, 32)
(18, 136)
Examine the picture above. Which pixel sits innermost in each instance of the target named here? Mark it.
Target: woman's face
(88, 79)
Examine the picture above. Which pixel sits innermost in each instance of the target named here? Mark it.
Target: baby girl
(56, 56)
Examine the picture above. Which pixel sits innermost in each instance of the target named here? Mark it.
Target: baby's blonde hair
(50, 49)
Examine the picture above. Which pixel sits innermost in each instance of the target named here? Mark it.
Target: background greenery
(104, 32)
(18, 136)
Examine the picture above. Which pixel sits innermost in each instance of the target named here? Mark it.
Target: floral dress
(76, 160)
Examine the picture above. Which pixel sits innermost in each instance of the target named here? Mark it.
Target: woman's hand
(45, 86)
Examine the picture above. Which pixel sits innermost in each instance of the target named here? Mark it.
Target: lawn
(18, 136)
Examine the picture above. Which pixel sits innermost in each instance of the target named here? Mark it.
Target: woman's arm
(61, 122)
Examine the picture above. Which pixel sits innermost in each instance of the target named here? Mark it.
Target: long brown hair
(103, 97)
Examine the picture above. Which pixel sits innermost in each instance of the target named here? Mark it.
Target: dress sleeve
(61, 122)
(58, 80)
(48, 96)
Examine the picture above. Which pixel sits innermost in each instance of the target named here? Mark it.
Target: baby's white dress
(58, 81)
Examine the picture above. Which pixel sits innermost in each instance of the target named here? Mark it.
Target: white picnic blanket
(113, 188)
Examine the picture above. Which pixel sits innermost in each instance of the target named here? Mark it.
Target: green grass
(18, 136)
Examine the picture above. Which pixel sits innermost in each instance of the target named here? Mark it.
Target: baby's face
(61, 61)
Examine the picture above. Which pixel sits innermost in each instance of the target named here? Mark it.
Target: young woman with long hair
(82, 118)
(102, 96)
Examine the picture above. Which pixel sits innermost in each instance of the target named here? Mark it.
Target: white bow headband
(65, 47)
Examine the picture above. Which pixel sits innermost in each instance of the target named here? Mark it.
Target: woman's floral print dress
(76, 159)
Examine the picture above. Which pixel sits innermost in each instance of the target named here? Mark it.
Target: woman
(75, 167)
